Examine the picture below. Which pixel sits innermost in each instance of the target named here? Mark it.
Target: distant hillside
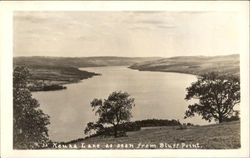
(193, 64)
(58, 73)
(81, 61)
(49, 73)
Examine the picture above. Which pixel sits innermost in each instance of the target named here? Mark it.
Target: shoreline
(55, 78)
(57, 86)
(180, 72)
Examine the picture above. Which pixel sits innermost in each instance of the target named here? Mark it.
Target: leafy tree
(93, 126)
(217, 94)
(29, 124)
(114, 110)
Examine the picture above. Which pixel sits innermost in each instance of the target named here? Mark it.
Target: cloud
(29, 17)
(147, 12)
(152, 24)
(137, 33)
(141, 28)
(150, 20)
(167, 26)
(87, 38)
(195, 12)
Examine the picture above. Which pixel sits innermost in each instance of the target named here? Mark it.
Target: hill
(81, 61)
(216, 136)
(50, 73)
(193, 64)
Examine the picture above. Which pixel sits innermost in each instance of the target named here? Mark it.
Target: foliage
(234, 117)
(52, 87)
(182, 127)
(29, 122)
(217, 94)
(157, 122)
(114, 110)
(129, 126)
(121, 129)
(94, 126)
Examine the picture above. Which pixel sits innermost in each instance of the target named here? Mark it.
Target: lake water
(157, 95)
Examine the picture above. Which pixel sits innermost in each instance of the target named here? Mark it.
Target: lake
(158, 95)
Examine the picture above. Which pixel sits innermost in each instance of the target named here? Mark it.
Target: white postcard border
(6, 47)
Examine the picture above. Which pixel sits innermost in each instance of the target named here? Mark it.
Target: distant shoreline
(180, 72)
(58, 71)
(196, 65)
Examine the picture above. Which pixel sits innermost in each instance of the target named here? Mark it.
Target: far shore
(58, 71)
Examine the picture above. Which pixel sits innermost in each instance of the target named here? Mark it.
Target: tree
(29, 122)
(217, 94)
(93, 126)
(114, 110)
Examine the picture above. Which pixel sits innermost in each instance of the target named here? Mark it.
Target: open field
(193, 64)
(217, 136)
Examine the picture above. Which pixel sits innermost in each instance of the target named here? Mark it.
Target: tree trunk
(115, 131)
(220, 118)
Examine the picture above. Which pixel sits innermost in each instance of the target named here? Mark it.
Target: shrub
(182, 127)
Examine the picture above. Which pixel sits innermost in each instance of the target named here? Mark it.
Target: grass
(217, 136)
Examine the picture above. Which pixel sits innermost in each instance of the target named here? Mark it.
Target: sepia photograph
(130, 80)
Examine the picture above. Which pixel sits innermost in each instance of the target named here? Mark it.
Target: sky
(125, 33)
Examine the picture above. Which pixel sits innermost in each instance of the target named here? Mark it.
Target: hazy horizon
(128, 56)
(125, 34)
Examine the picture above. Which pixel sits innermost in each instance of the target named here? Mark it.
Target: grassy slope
(216, 136)
(58, 73)
(193, 64)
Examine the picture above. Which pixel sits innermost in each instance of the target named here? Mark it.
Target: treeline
(48, 77)
(128, 127)
(134, 126)
(157, 122)
(47, 88)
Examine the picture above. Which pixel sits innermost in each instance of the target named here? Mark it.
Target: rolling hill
(53, 72)
(62, 70)
(81, 61)
(193, 64)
